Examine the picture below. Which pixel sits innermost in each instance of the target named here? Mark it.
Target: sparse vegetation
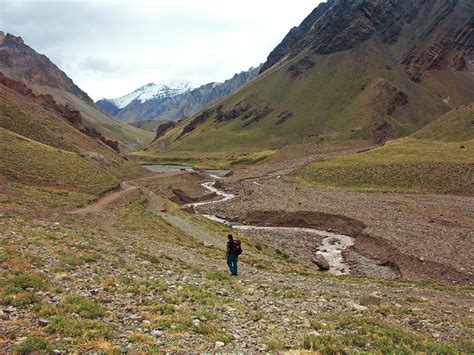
(405, 165)
(366, 334)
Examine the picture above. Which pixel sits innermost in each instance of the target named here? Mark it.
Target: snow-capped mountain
(153, 91)
(172, 100)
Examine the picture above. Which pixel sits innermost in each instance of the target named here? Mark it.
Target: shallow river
(331, 247)
(168, 168)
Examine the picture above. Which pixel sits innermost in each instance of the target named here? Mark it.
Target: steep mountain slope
(171, 101)
(354, 70)
(20, 62)
(46, 145)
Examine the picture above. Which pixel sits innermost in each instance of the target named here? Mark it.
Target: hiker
(234, 249)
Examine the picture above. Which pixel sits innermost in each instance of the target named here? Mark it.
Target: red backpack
(238, 247)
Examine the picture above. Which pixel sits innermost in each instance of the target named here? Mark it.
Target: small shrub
(218, 276)
(256, 315)
(26, 280)
(209, 315)
(76, 328)
(282, 254)
(13, 289)
(166, 309)
(367, 334)
(275, 344)
(294, 293)
(82, 306)
(206, 328)
(137, 338)
(33, 344)
(91, 257)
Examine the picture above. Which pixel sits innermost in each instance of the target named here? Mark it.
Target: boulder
(321, 262)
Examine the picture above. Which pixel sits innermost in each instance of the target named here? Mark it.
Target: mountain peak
(152, 91)
(10, 39)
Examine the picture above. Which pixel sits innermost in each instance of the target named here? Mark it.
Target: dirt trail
(125, 189)
(157, 205)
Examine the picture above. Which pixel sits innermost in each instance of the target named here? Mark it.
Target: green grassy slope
(46, 161)
(28, 162)
(29, 118)
(455, 126)
(348, 95)
(403, 165)
(439, 158)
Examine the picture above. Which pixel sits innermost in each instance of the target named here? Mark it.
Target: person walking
(234, 249)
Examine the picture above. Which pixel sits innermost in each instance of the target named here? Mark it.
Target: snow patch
(153, 91)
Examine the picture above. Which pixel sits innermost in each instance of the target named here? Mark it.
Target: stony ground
(124, 275)
(429, 232)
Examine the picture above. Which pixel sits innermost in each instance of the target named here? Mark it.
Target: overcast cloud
(112, 47)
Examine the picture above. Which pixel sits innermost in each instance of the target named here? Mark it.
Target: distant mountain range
(354, 70)
(171, 101)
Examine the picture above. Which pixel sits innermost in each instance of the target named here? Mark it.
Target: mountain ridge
(20, 62)
(176, 103)
(346, 78)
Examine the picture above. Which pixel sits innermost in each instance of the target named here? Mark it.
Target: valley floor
(133, 271)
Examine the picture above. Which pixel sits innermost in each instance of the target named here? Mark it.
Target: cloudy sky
(111, 47)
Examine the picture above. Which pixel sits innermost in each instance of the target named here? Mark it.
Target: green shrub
(82, 306)
(218, 276)
(33, 344)
(77, 328)
(13, 289)
(367, 334)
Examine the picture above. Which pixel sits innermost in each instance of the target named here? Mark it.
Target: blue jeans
(232, 263)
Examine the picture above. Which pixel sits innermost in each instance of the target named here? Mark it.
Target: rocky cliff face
(295, 34)
(178, 106)
(432, 42)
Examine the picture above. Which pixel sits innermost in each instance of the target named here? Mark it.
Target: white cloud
(111, 47)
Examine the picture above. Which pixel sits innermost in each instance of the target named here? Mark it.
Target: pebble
(219, 344)
(356, 306)
(43, 322)
(156, 333)
(10, 309)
